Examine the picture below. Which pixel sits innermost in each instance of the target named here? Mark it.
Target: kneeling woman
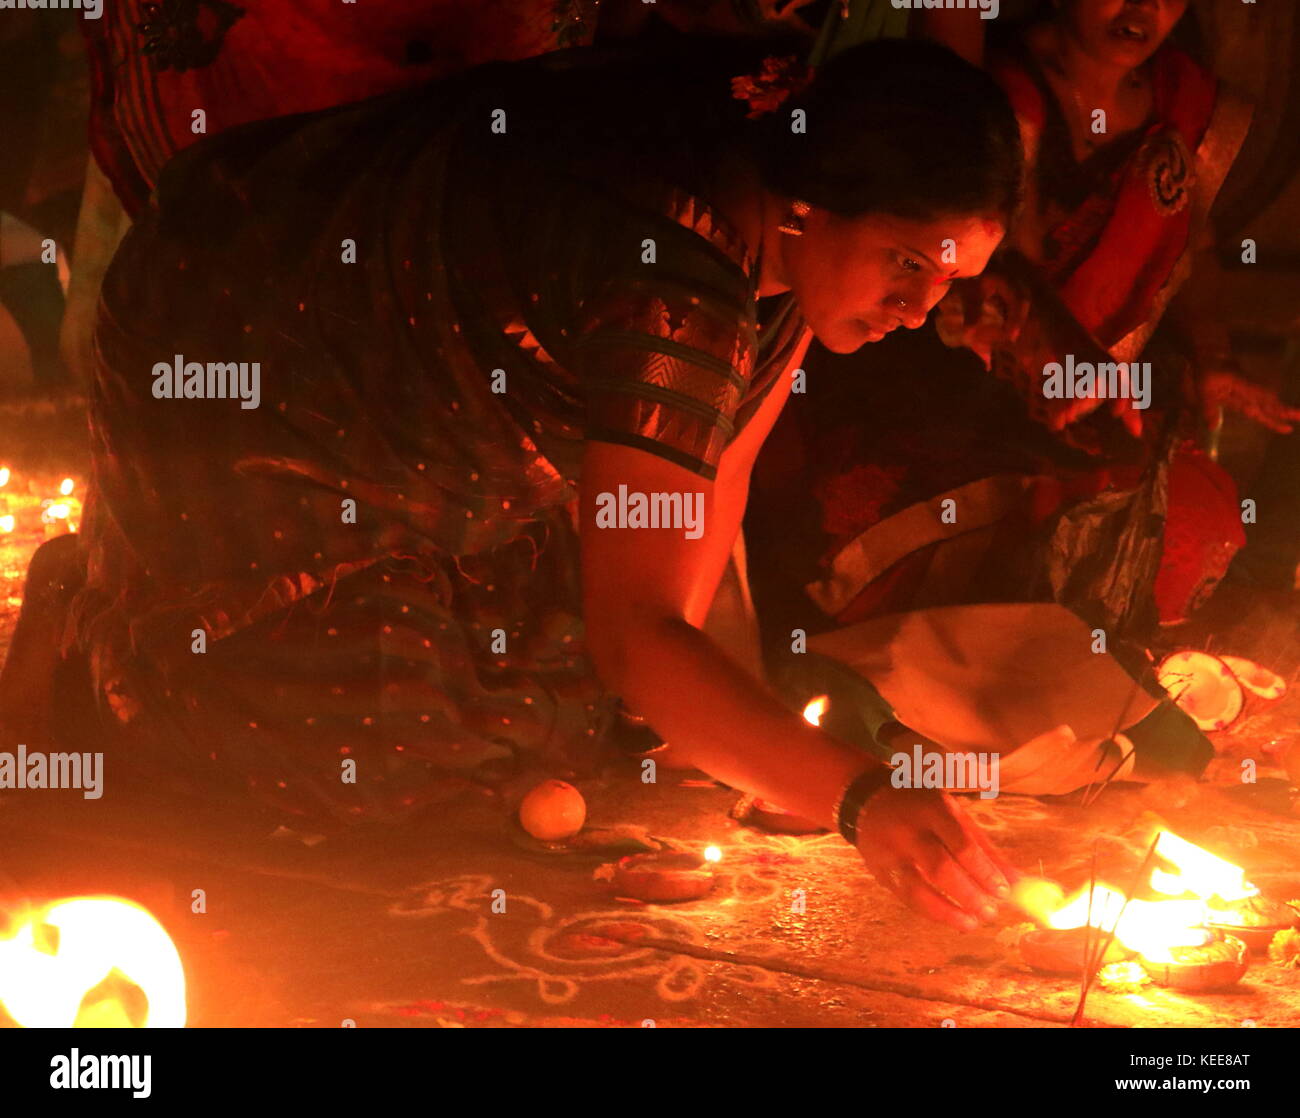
(476, 310)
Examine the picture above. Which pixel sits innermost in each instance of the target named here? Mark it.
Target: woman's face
(856, 279)
(1120, 32)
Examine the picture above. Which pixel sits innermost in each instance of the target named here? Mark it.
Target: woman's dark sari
(499, 311)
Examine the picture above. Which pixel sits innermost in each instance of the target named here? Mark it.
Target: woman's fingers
(1223, 389)
(941, 867)
(968, 850)
(1271, 419)
(992, 868)
(909, 886)
(921, 846)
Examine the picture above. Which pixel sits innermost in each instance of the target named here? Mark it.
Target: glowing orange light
(66, 486)
(816, 710)
(1198, 872)
(62, 952)
(1152, 928)
(713, 854)
(4, 476)
(6, 523)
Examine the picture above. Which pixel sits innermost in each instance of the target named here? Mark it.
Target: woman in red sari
(1128, 141)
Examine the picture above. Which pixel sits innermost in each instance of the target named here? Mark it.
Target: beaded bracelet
(854, 798)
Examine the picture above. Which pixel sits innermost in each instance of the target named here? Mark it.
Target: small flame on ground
(816, 710)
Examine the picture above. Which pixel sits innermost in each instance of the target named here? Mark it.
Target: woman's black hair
(902, 127)
(898, 127)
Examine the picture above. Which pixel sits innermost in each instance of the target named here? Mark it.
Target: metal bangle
(854, 798)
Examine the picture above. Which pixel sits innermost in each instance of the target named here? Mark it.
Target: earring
(793, 224)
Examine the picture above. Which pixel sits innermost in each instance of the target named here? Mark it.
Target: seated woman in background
(482, 310)
(1127, 141)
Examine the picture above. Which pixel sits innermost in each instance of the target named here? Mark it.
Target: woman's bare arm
(647, 592)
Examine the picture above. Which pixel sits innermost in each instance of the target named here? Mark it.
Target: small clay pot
(1257, 921)
(662, 878)
(1061, 951)
(772, 818)
(1194, 975)
(1257, 939)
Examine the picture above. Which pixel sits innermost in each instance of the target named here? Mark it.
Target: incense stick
(1088, 800)
(1090, 965)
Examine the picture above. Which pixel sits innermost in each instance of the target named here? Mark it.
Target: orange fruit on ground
(552, 811)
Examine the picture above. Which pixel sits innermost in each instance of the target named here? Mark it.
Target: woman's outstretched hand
(923, 847)
(1225, 388)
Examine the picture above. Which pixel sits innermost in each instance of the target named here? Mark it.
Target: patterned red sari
(1051, 512)
(154, 62)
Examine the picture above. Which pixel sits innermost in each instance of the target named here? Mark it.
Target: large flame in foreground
(1202, 889)
(68, 949)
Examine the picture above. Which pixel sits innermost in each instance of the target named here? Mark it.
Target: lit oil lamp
(91, 962)
(1255, 921)
(63, 513)
(666, 877)
(1067, 950)
(1180, 940)
(1214, 964)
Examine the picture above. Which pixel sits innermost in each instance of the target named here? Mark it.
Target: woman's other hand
(981, 314)
(1223, 388)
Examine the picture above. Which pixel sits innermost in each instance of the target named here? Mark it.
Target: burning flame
(66, 486)
(6, 523)
(816, 709)
(1152, 928)
(64, 951)
(713, 854)
(1198, 872)
(4, 476)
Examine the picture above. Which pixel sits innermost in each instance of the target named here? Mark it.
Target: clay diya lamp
(1255, 921)
(663, 878)
(1064, 950)
(753, 812)
(778, 820)
(1214, 965)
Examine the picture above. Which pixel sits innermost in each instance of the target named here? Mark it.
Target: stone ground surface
(397, 929)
